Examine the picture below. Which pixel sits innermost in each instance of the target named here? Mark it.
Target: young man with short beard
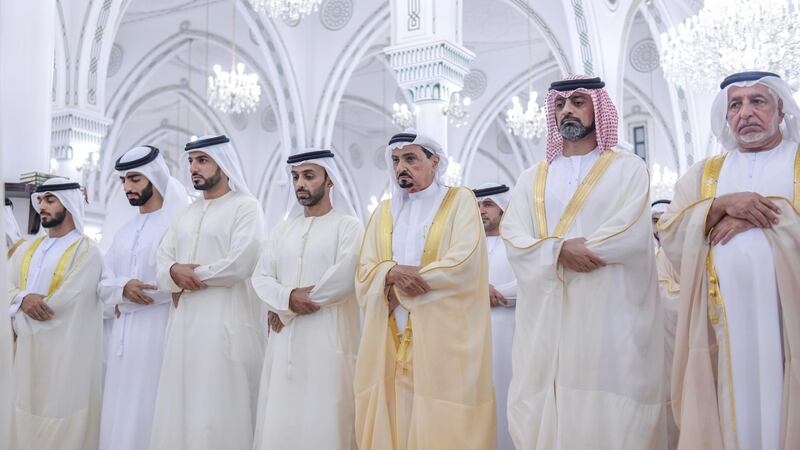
(305, 278)
(129, 286)
(213, 348)
(57, 318)
(588, 344)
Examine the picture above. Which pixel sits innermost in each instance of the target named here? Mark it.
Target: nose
(193, 166)
(746, 110)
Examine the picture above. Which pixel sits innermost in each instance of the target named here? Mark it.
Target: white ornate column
(76, 139)
(27, 35)
(428, 58)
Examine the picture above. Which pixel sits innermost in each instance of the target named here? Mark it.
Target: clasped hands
(300, 303)
(408, 280)
(735, 213)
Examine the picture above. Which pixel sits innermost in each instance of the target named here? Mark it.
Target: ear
(435, 159)
(781, 114)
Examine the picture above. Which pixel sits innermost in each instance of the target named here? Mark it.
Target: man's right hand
(134, 291)
(754, 208)
(36, 308)
(577, 257)
(408, 280)
(183, 275)
(301, 303)
(496, 298)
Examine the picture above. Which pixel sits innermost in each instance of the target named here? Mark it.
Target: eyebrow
(304, 171)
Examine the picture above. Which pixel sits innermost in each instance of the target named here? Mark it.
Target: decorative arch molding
(61, 66)
(562, 59)
(149, 64)
(653, 110)
(499, 163)
(195, 102)
(347, 62)
(498, 102)
(105, 17)
(366, 104)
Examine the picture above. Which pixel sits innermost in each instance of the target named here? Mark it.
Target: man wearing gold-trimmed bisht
(587, 357)
(58, 317)
(733, 233)
(424, 371)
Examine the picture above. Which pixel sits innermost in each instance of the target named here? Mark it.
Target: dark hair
(427, 152)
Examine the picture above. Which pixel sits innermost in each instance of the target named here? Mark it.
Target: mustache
(404, 174)
(133, 193)
(749, 124)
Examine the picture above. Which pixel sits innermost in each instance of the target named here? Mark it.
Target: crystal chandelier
(662, 183)
(233, 92)
(403, 116)
(729, 36)
(290, 10)
(457, 109)
(529, 123)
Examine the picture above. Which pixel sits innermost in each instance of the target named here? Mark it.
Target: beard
(56, 220)
(405, 183)
(313, 198)
(574, 130)
(143, 197)
(754, 138)
(207, 183)
(492, 224)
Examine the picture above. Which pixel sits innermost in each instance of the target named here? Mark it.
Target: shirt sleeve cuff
(16, 304)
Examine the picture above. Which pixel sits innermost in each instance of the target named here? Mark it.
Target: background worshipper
(732, 232)
(213, 348)
(12, 233)
(305, 277)
(58, 321)
(588, 344)
(6, 356)
(128, 284)
(669, 296)
(423, 260)
(492, 202)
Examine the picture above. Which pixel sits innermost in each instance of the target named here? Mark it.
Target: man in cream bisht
(213, 349)
(11, 230)
(588, 345)
(58, 320)
(424, 370)
(305, 277)
(493, 201)
(128, 285)
(733, 232)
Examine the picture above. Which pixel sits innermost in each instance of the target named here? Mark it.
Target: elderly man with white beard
(733, 233)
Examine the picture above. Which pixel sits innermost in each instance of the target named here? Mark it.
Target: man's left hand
(727, 228)
(496, 298)
(274, 322)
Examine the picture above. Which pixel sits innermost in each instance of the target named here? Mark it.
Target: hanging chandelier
(403, 116)
(457, 109)
(234, 92)
(290, 10)
(729, 36)
(529, 123)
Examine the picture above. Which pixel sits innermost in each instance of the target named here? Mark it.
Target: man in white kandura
(492, 202)
(58, 320)
(305, 277)
(589, 338)
(213, 349)
(128, 285)
(733, 233)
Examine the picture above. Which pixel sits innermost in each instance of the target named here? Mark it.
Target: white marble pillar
(428, 58)
(26, 80)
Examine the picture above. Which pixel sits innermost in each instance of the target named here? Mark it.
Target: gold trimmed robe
(446, 355)
(702, 388)
(587, 357)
